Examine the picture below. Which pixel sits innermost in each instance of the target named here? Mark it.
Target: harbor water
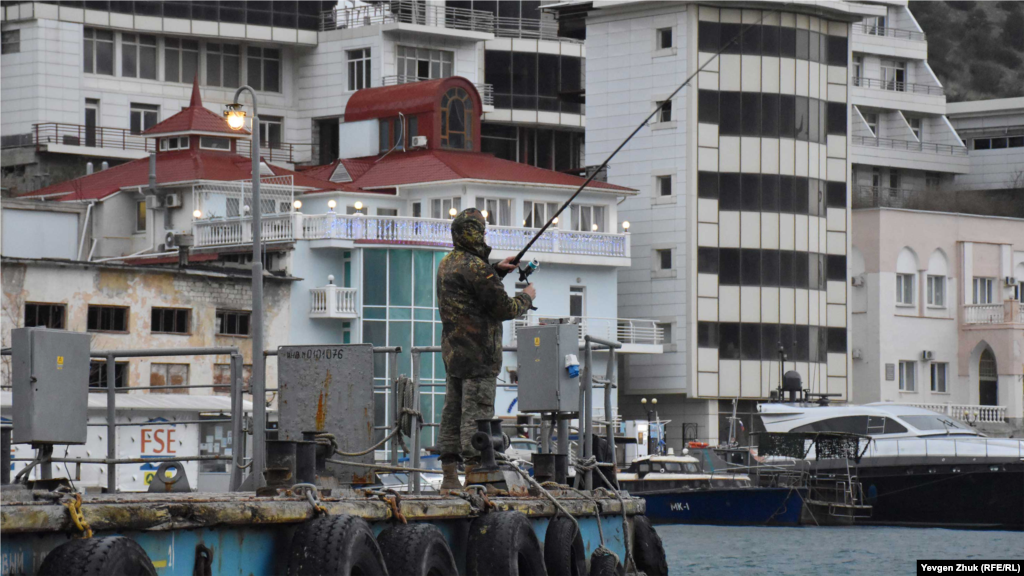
(850, 551)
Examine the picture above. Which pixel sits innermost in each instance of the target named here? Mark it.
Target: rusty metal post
(587, 418)
(395, 414)
(111, 425)
(415, 421)
(611, 379)
(237, 414)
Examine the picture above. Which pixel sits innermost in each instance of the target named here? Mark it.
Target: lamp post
(651, 446)
(236, 120)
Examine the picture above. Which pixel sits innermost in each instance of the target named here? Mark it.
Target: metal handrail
(292, 152)
(407, 12)
(894, 86)
(876, 30)
(908, 145)
(45, 133)
(486, 91)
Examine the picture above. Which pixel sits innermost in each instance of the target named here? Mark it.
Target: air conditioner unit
(927, 354)
(857, 281)
(857, 354)
(418, 142)
(169, 243)
(172, 200)
(153, 202)
(1010, 281)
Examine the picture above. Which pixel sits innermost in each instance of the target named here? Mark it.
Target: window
(222, 377)
(98, 375)
(140, 216)
(181, 60)
(353, 210)
(92, 116)
(264, 66)
(664, 259)
(233, 322)
(587, 218)
(872, 121)
(387, 211)
(214, 143)
(442, 207)
(894, 75)
(937, 291)
(170, 320)
(497, 211)
(359, 69)
(417, 210)
(907, 374)
(98, 51)
(457, 119)
(107, 319)
(905, 289)
(45, 315)
(939, 371)
(875, 25)
(663, 184)
(223, 65)
(537, 214)
(858, 69)
(894, 179)
(423, 64)
(665, 113)
(666, 331)
(998, 143)
(168, 375)
(577, 301)
(271, 128)
(983, 290)
(138, 56)
(143, 117)
(932, 180)
(11, 41)
(177, 143)
(915, 127)
(664, 36)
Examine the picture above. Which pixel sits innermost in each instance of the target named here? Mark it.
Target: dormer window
(457, 120)
(177, 143)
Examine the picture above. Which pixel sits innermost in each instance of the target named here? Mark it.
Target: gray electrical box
(329, 389)
(544, 382)
(50, 386)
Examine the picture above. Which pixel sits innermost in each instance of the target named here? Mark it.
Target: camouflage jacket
(473, 302)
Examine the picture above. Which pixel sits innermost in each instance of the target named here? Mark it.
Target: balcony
(1009, 312)
(638, 336)
(333, 230)
(942, 149)
(85, 140)
(911, 155)
(406, 12)
(893, 86)
(486, 90)
(967, 412)
(280, 152)
(333, 302)
(875, 30)
(529, 28)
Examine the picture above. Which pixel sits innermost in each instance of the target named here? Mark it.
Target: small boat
(677, 491)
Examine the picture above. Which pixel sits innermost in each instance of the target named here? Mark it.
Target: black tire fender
(335, 546)
(103, 556)
(604, 562)
(648, 550)
(563, 549)
(503, 544)
(416, 550)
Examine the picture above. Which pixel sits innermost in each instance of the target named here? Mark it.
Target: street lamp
(236, 120)
(651, 446)
(625, 225)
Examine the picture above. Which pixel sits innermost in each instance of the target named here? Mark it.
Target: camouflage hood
(468, 233)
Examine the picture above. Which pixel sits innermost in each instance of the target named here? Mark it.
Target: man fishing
(473, 304)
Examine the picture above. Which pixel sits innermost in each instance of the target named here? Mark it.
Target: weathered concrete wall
(77, 286)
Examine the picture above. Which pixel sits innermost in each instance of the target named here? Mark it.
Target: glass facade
(404, 314)
(301, 15)
(519, 83)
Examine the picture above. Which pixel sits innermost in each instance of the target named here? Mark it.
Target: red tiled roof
(422, 166)
(195, 118)
(411, 98)
(176, 166)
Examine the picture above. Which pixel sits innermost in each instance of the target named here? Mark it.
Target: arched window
(457, 120)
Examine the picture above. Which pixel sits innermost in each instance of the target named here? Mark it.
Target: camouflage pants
(465, 400)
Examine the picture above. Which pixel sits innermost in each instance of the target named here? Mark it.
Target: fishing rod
(524, 273)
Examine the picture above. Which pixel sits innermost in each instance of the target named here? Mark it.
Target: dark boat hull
(731, 506)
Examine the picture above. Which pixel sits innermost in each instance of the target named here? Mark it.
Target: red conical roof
(195, 119)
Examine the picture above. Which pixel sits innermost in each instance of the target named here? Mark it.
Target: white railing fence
(966, 412)
(332, 302)
(230, 231)
(624, 330)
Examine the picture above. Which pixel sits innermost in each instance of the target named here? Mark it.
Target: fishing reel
(525, 271)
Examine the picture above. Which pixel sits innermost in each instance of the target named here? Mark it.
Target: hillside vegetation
(975, 48)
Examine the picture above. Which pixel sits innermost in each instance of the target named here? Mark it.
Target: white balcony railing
(966, 412)
(332, 302)
(229, 231)
(624, 330)
(486, 91)
(407, 12)
(984, 314)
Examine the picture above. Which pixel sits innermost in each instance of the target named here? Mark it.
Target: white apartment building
(740, 232)
(993, 131)
(82, 83)
(936, 319)
(902, 144)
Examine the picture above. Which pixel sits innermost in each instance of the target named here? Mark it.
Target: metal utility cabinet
(544, 382)
(50, 386)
